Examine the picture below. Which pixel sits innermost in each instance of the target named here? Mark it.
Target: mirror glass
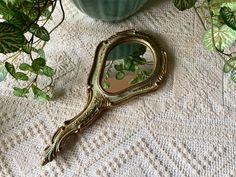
(127, 64)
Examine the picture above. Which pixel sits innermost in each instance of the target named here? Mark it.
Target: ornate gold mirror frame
(100, 100)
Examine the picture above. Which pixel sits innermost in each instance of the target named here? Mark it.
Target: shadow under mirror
(127, 64)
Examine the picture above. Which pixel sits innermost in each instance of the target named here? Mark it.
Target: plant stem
(31, 44)
(213, 37)
(13, 56)
(195, 9)
(31, 83)
(63, 17)
(38, 16)
(49, 85)
(53, 8)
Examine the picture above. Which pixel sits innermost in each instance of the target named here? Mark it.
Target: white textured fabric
(186, 128)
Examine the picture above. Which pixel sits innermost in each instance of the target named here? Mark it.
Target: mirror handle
(97, 104)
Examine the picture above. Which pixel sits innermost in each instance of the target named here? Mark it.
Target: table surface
(186, 128)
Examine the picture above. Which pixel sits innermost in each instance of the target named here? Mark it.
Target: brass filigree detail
(97, 104)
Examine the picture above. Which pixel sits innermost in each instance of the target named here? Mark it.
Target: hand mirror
(126, 65)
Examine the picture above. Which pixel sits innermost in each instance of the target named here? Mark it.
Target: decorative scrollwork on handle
(97, 104)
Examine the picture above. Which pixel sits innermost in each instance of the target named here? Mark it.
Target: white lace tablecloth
(186, 128)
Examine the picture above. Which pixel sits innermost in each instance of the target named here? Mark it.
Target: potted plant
(109, 10)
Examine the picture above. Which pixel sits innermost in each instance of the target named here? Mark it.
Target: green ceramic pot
(109, 10)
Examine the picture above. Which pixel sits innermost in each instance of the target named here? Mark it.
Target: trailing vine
(218, 18)
(23, 31)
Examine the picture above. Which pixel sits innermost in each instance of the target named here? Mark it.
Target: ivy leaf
(3, 72)
(184, 4)
(46, 13)
(29, 9)
(228, 16)
(20, 92)
(133, 67)
(41, 53)
(134, 81)
(109, 73)
(17, 75)
(40, 32)
(5, 10)
(48, 71)
(140, 60)
(224, 37)
(39, 94)
(25, 67)
(229, 65)
(127, 64)
(141, 49)
(106, 84)
(26, 47)
(19, 20)
(119, 67)
(10, 68)
(142, 77)
(12, 2)
(11, 38)
(38, 63)
(233, 75)
(120, 75)
(216, 5)
(21, 76)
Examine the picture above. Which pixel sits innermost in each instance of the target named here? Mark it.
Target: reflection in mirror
(127, 64)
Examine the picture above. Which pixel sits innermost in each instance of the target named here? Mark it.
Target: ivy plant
(23, 31)
(218, 18)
